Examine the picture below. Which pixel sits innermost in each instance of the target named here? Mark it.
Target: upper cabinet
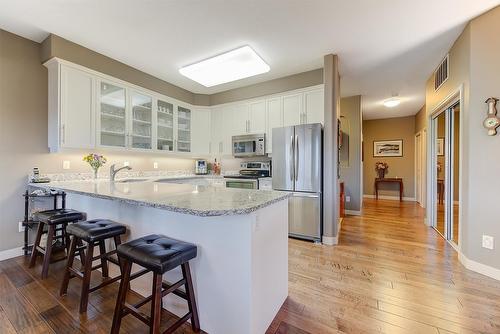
(142, 121)
(71, 108)
(257, 117)
(112, 124)
(274, 117)
(165, 126)
(183, 138)
(293, 111)
(314, 107)
(201, 131)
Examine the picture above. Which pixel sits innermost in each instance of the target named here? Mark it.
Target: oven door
(242, 183)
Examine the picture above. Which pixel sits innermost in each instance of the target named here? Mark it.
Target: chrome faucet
(113, 171)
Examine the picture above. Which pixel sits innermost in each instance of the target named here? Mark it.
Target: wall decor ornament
(492, 121)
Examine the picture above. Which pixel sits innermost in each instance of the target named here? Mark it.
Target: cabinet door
(216, 130)
(200, 131)
(164, 126)
(141, 120)
(257, 117)
(274, 120)
(183, 137)
(113, 127)
(292, 109)
(77, 108)
(239, 113)
(314, 102)
(227, 132)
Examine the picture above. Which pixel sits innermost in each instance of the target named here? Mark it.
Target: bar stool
(56, 220)
(94, 233)
(159, 254)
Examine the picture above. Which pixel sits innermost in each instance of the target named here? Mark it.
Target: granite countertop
(198, 200)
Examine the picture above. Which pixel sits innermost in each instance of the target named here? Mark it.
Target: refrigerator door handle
(296, 158)
(291, 158)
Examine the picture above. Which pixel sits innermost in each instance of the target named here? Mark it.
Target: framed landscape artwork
(388, 148)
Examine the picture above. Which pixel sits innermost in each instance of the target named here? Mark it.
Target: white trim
(10, 253)
(353, 212)
(479, 267)
(395, 198)
(331, 241)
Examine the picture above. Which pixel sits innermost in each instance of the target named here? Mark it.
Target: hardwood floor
(390, 274)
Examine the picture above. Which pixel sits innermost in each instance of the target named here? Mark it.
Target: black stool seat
(158, 253)
(59, 216)
(95, 230)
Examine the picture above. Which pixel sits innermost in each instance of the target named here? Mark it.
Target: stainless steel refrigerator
(297, 167)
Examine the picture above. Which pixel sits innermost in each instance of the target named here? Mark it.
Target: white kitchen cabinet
(164, 125)
(141, 118)
(293, 113)
(221, 123)
(201, 131)
(113, 126)
(257, 117)
(239, 113)
(274, 115)
(314, 107)
(183, 127)
(71, 107)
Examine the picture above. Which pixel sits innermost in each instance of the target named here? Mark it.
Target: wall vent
(442, 72)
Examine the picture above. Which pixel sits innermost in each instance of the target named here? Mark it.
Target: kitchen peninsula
(241, 271)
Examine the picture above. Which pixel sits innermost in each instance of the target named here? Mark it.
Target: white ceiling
(385, 46)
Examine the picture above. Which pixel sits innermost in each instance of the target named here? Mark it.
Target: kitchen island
(241, 272)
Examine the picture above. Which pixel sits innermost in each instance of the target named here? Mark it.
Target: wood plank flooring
(390, 274)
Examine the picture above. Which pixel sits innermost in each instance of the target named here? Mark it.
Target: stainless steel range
(249, 175)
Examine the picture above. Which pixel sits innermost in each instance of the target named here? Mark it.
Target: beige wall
(420, 120)
(350, 172)
(390, 129)
(23, 134)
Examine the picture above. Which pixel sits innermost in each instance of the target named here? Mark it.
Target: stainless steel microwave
(249, 146)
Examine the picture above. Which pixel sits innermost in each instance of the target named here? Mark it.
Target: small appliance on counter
(201, 167)
(36, 178)
(249, 175)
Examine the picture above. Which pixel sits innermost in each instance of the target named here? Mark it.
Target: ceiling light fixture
(392, 102)
(237, 64)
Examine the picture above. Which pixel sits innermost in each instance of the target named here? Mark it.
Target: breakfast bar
(240, 275)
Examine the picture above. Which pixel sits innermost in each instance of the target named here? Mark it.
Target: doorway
(445, 169)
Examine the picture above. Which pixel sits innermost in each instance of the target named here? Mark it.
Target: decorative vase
(381, 173)
(95, 173)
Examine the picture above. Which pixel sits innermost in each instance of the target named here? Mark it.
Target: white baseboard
(394, 198)
(353, 212)
(10, 253)
(331, 241)
(479, 267)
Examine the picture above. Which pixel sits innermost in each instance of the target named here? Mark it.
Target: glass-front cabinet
(135, 120)
(183, 129)
(165, 126)
(142, 121)
(113, 121)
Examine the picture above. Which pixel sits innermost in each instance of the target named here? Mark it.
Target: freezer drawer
(304, 216)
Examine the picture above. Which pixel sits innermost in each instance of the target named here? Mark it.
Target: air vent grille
(441, 74)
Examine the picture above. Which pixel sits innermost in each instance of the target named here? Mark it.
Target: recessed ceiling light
(237, 64)
(392, 102)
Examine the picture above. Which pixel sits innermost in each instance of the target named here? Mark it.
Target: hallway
(390, 274)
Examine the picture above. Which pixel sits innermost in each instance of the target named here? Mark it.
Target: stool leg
(81, 252)
(122, 296)
(87, 272)
(69, 264)
(195, 322)
(156, 305)
(34, 251)
(66, 238)
(104, 262)
(48, 250)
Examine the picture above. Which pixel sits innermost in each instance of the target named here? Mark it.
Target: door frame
(456, 96)
(422, 185)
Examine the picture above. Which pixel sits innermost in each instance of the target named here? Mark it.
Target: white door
(77, 108)
(274, 120)
(314, 103)
(292, 110)
(257, 117)
(200, 131)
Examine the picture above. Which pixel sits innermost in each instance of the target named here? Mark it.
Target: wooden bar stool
(57, 220)
(94, 233)
(159, 254)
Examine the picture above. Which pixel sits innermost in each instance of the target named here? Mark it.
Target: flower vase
(381, 173)
(95, 173)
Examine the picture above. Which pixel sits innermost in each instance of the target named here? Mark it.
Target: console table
(398, 181)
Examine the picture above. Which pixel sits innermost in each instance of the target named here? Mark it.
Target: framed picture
(388, 148)
(440, 146)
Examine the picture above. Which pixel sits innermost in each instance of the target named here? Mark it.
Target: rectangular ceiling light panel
(230, 66)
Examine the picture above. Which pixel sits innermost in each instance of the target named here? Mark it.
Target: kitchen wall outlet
(66, 164)
(348, 199)
(126, 163)
(488, 242)
(155, 165)
(21, 227)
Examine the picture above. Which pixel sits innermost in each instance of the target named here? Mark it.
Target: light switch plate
(21, 227)
(348, 199)
(488, 242)
(125, 163)
(155, 165)
(66, 164)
